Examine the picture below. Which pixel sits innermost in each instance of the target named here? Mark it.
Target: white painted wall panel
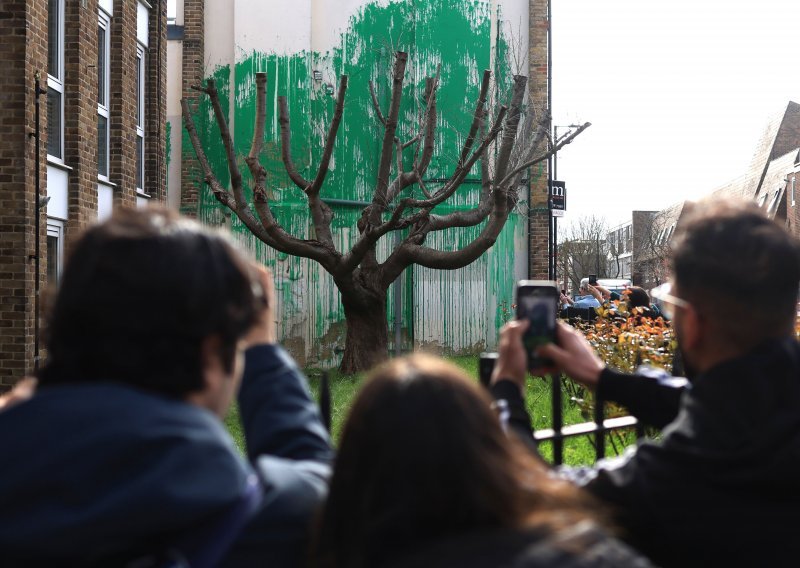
(57, 180)
(220, 42)
(142, 23)
(107, 6)
(279, 26)
(105, 201)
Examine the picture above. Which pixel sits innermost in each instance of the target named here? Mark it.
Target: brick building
(100, 142)
(771, 180)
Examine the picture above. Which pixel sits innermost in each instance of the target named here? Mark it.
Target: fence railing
(556, 435)
(599, 427)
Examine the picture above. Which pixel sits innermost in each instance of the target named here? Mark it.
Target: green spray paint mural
(455, 310)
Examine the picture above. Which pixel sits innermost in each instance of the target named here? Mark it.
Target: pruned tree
(583, 250)
(503, 150)
(652, 247)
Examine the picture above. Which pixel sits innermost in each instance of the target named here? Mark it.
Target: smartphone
(486, 364)
(537, 302)
(593, 279)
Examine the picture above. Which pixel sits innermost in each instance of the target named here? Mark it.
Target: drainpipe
(37, 92)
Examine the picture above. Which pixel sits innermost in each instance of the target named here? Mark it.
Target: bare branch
(546, 155)
(222, 195)
(477, 116)
(461, 172)
(422, 186)
(428, 124)
(375, 104)
(379, 201)
(510, 130)
(286, 146)
(412, 141)
(258, 171)
(428, 127)
(269, 230)
(330, 139)
(227, 139)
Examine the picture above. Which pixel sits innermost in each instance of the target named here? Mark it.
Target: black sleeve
(519, 421)
(652, 399)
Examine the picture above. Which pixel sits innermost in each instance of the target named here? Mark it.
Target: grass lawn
(577, 451)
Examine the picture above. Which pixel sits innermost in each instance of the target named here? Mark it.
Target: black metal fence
(598, 428)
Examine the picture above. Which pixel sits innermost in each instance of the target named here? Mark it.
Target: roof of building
(769, 194)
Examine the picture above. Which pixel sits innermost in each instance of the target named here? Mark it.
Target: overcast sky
(678, 93)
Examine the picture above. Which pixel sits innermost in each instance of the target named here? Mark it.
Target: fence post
(600, 433)
(558, 442)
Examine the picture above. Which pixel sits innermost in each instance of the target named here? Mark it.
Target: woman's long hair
(423, 457)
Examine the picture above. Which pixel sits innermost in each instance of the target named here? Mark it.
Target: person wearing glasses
(719, 486)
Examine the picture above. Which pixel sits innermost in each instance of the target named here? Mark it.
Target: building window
(140, 111)
(103, 78)
(55, 250)
(55, 79)
(792, 189)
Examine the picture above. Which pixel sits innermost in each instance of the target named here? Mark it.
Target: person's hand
(574, 356)
(566, 299)
(512, 361)
(22, 391)
(595, 292)
(604, 292)
(265, 328)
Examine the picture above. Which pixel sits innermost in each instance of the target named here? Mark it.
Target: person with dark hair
(118, 455)
(718, 487)
(425, 476)
(638, 301)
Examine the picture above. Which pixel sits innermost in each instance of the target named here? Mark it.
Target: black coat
(721, 487)
(579, 546)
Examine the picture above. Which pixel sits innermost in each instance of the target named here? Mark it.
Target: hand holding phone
(537, 301)
(593, 279)
(486, 363)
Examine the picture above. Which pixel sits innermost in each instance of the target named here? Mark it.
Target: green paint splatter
(455, 33)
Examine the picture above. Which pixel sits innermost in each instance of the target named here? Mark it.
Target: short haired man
(719, 487)
(119, 455)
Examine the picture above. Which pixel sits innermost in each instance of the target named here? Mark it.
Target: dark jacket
(97, 473)
(291, 451)
(579, 546)
(719, 488)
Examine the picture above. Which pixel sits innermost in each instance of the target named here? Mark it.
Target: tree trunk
(367, 342)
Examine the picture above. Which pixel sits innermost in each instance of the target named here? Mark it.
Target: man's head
(740, 272)
(151, 300)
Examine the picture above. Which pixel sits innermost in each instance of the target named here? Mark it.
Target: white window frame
(55, 228)
(794, 177)
(103, 98)
(57, 82)
(140, 116)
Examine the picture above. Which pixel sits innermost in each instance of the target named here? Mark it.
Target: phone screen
(537, 301)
